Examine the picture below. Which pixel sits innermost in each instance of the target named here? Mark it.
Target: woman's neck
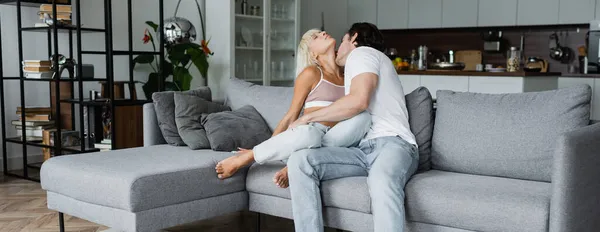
(329, 66)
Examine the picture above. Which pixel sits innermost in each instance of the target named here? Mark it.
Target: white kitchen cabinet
(576, 11)
(454, 83)
(537, 12)
(410, 82)
(495, 85)
(565, 82)
(459, 13)
(498, 13)
(392, 14)
(424, 13)
(362, 11)
(597, 9)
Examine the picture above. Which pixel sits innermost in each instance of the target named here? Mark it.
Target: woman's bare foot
(281, 178)
(227, 167)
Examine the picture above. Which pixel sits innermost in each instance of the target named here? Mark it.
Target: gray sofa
(545, 178)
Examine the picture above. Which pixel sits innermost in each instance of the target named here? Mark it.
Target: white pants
(346, 133)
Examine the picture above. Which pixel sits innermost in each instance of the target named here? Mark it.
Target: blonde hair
(304, 58)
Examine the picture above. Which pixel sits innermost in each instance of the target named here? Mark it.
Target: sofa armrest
(152, 133)
(575, 204)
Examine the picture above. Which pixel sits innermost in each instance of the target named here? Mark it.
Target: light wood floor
(23, 209)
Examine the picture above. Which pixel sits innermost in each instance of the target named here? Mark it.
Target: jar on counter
(514, 60)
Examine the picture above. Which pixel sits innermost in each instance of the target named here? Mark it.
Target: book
(30, 133)
(59, 16)
(103, 147)
(18, 127)
(36, 117)
(37, 69)
(39, 75)
(41, 25)
(35, 110)
(59, 8)
(37, 63)
(31, 138)
(32, 123)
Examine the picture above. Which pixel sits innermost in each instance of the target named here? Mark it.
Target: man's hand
(301, 121)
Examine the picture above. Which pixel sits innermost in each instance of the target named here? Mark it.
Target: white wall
(335, 12)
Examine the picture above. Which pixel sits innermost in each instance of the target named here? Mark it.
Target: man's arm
(355, 102)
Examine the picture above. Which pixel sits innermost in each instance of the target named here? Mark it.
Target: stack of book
(38, 69)
(63, 13)
(105, 145)
(37, 119)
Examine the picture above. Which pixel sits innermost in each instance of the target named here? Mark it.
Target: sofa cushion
(349, 193)
(164, 105)
(271, 102)
(478, 203)
(139, 179)
(420, 117)
(231, 130)
(188, 117)
(507, 135)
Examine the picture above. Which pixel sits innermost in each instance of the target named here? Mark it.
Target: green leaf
(170, 86)
(183, 77)
(144, 59)
(168, 70)
(151, 85)
(185, 60)
(153, 25)
(200, 61)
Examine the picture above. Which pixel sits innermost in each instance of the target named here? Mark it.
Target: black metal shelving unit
(75, 52)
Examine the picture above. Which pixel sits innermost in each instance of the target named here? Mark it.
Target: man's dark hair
(368, 35)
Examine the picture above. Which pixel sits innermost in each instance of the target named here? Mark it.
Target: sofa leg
(257, 229)
(61, 222)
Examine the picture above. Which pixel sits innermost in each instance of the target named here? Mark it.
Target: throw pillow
(270, 101)
(506, 135)
(164, 105)
(188, 115)
(420, 117)
(230, 130)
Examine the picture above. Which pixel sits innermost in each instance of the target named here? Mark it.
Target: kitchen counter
(473, 73)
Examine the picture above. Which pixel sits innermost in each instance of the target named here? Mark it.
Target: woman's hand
(301, 121)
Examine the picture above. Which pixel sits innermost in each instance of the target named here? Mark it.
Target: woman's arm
(305, 82)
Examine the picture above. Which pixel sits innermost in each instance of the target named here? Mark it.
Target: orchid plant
(178, 60)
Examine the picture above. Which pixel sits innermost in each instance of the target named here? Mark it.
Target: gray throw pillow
(420, 117)
(164, 105)
(188, 115)
(271, 102)
(230, 130)
(506, 135)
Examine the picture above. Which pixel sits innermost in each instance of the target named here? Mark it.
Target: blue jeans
(387, 161)
(346, 133)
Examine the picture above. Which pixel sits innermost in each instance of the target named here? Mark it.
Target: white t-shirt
(388, 105)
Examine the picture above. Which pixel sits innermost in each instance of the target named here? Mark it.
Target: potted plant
(179, 58)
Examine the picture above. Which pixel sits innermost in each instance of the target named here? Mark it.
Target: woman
(319, 83)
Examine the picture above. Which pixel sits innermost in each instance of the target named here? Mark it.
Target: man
(387, 155)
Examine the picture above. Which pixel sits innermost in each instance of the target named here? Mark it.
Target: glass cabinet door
(249, 40)
(283, 41)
